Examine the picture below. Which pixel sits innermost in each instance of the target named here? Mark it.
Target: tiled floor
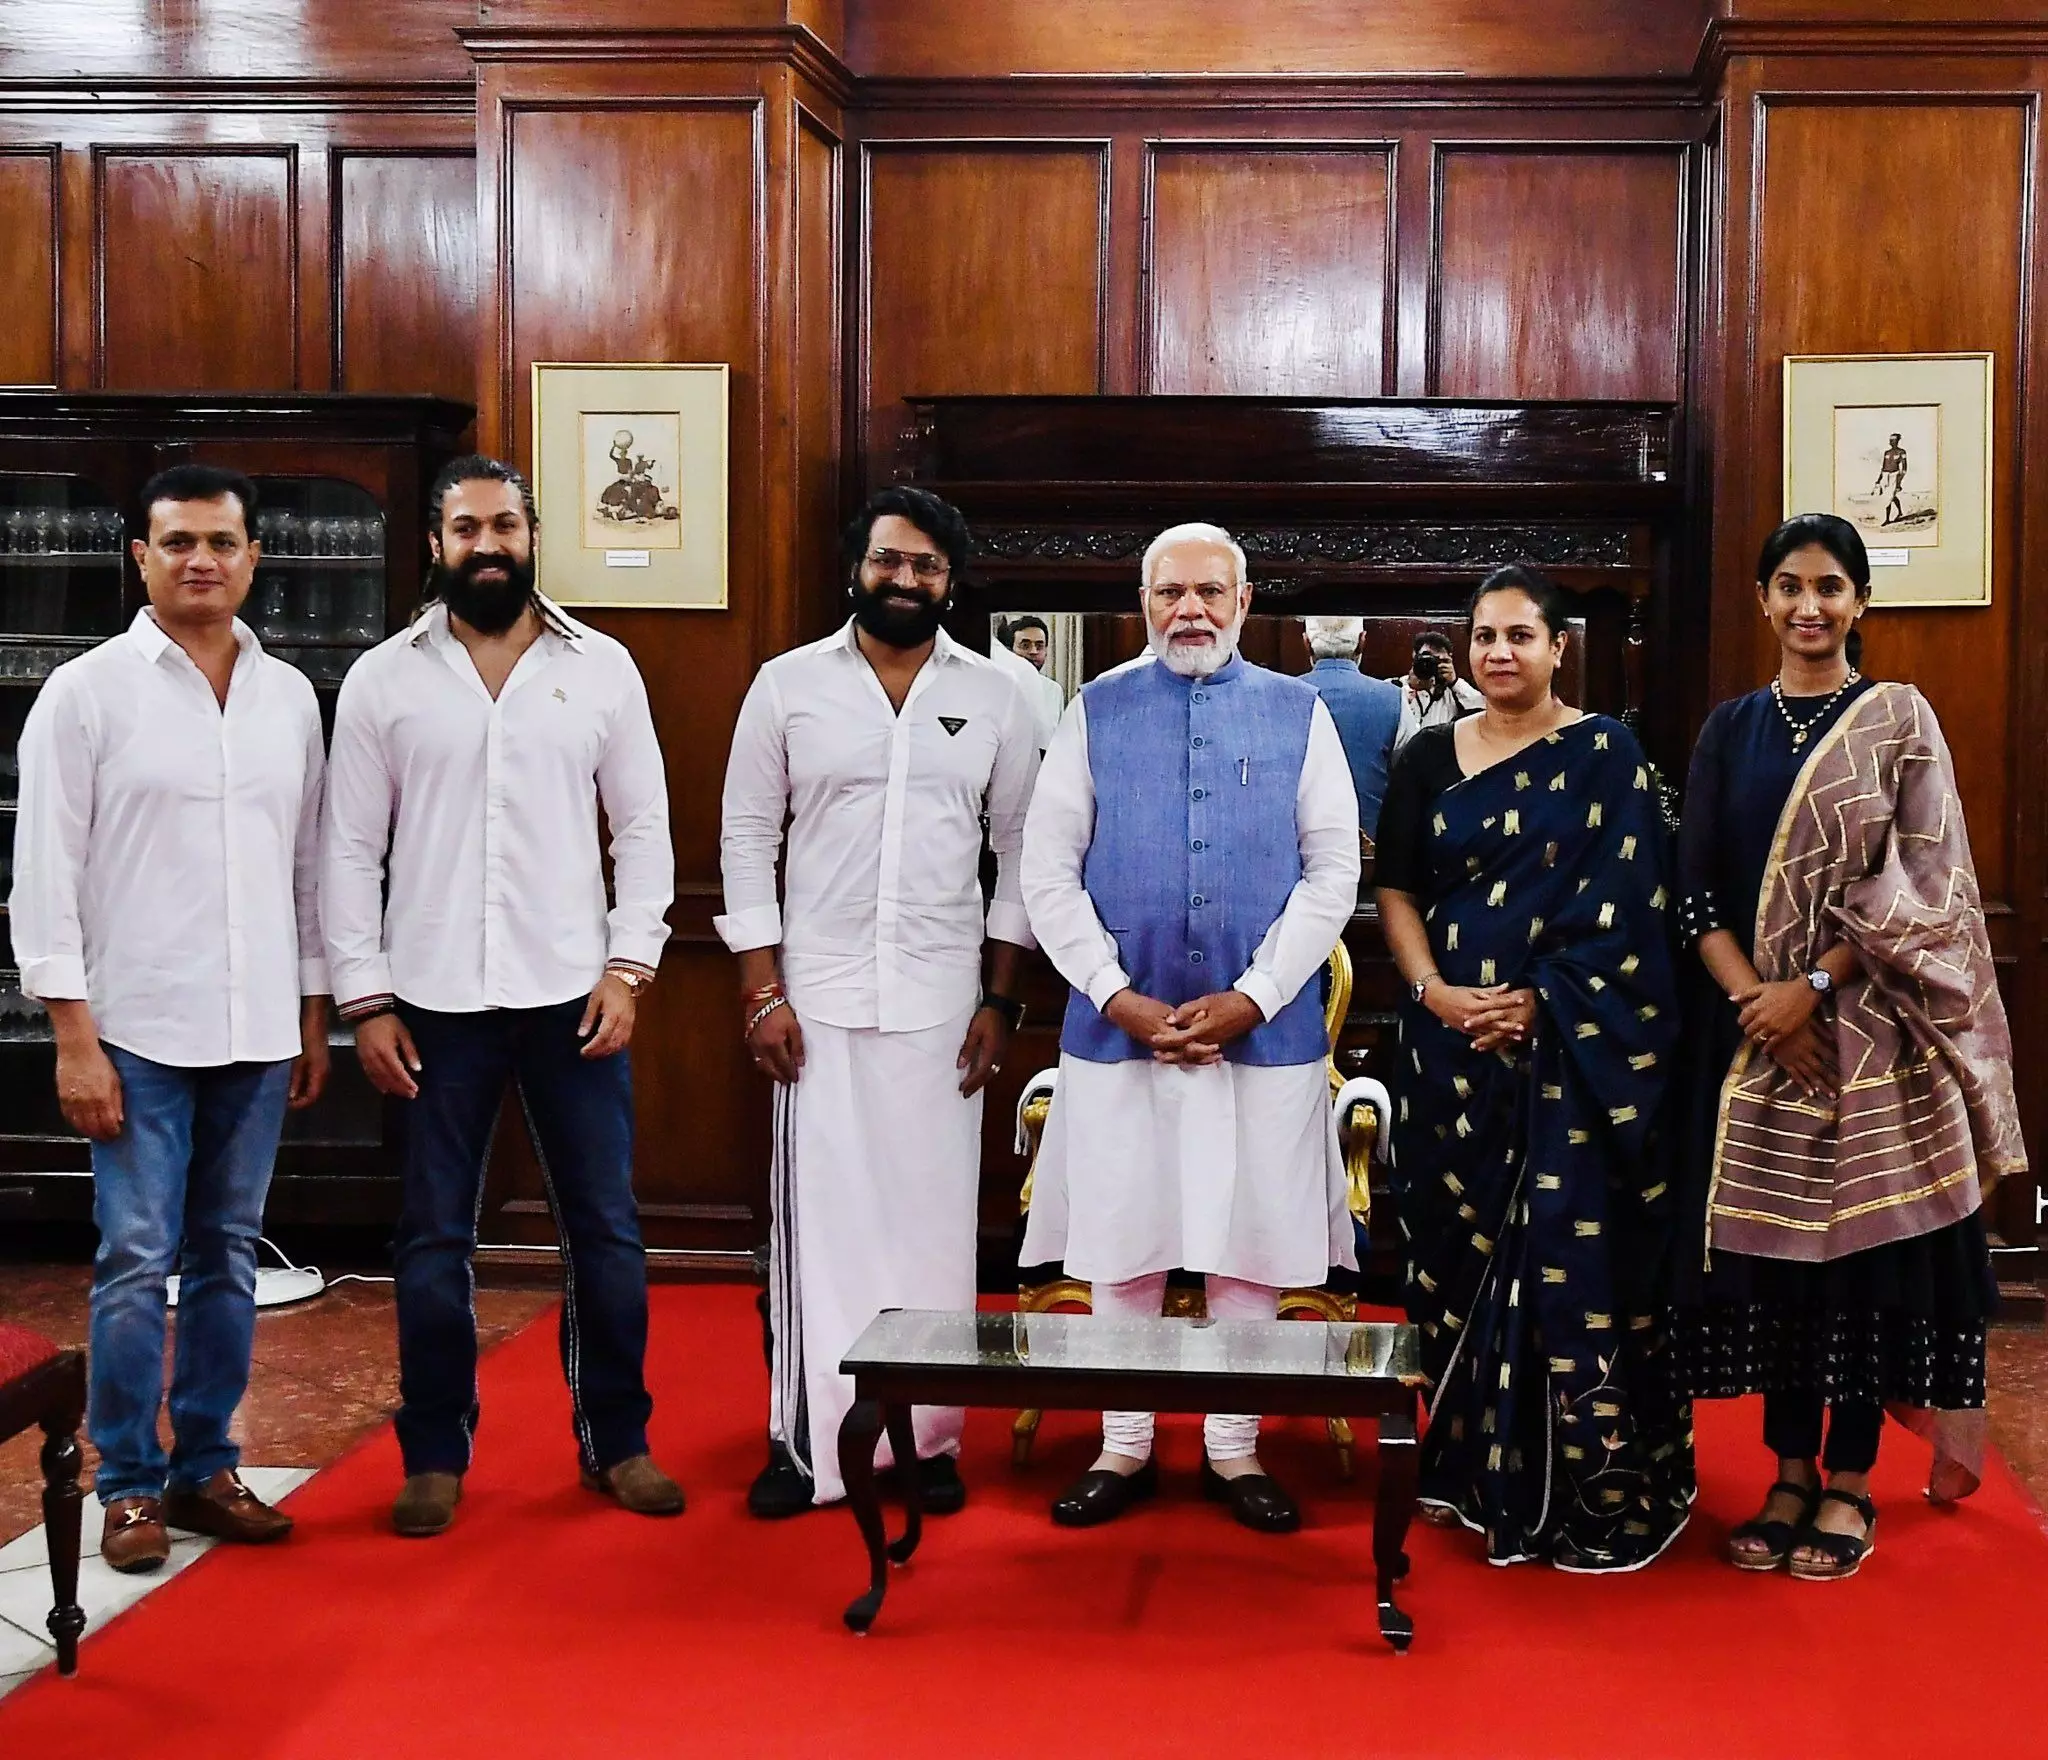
(25, 1646)
(325, 1371)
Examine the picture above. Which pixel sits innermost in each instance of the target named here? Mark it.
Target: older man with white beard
(1190, 858)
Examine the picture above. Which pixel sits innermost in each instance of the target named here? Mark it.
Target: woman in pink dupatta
(1854, 1093)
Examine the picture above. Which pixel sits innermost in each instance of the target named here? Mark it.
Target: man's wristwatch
(1820, 982)
(1421, 984)
(1008, 1007)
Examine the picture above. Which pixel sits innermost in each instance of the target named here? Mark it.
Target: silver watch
(1820, 983)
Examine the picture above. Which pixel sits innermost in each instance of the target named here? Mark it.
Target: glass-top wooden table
(1079, 1362)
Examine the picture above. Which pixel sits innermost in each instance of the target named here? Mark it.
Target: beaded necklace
(1802, 728)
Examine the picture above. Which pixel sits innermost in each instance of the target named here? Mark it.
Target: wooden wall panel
(198, 261)
(984, 269)
(28, 266)
(587, 274)
(1268, 271)
(1558, 274)
(405, 272)
(820, 275)
(1562, 38)
(1863, 246)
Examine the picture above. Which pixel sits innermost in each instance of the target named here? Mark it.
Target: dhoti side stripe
(786, 1315)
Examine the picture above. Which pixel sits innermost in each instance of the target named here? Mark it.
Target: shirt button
(1195, 958)
(1197, 794)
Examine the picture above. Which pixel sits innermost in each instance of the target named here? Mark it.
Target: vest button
(1198, 739)
(1197, 794)
(1201, 696)
(1198, 844)
(1197, 899)
(1195, 958)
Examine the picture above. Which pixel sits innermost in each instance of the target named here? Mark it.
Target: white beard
(1196, 661)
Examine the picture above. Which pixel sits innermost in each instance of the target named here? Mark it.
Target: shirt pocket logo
(952, 724)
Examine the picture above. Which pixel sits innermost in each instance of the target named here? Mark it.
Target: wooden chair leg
(62, 1460)
(1340, 1434)
(1022, 1434)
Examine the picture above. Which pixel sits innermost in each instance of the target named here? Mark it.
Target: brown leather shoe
(640, 1486)
(426, 1504)
(134, 1540)
(227, 1509)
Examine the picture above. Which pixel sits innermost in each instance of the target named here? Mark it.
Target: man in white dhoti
(1190, 859)
(884, 745)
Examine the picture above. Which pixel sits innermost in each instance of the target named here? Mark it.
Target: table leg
(910, 1475)
(1393, 1506)
(859, 1431)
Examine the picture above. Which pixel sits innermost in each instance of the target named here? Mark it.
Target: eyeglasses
(923, 564)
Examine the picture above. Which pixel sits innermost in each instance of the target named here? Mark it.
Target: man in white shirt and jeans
(883, 745)
(471, 754)
(164, 913)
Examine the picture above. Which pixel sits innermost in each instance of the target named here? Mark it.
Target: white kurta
(1230, 1167)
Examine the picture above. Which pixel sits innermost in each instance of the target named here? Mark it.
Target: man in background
(471, 947)
(1029, 640)
(1367, 711)
(166, 867)
(1432, 693)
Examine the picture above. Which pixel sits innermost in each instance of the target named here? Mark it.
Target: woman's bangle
(762, 1013)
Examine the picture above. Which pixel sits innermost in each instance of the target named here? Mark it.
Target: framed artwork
(629, 471)
(1899, 445)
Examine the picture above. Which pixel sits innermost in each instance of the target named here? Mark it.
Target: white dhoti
(1232, 1170)
(1225, 1167)
(872, 1190)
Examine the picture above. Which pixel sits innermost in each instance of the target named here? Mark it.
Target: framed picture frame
(1899, 445)
(629, 473)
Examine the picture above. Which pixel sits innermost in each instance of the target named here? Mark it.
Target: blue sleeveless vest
(1196, 847)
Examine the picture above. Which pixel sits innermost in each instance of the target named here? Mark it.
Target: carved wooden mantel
(1359, 505)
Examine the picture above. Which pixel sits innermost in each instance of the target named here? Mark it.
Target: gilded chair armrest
(1364, 1113)
(1034, 1106)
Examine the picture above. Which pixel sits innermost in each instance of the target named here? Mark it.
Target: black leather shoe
(1100, 1496)
(1254, 1499)
(941, 1490)
(782, 1489)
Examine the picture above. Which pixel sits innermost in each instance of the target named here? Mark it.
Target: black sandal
(1778, 1537)
(1842, 1555)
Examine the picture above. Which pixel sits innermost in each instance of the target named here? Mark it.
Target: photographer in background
(1432, 693)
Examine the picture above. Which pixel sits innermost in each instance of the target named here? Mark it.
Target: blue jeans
(180, 1189)
(579, 1112)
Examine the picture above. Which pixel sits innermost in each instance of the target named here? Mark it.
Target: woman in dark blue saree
(1522, 887)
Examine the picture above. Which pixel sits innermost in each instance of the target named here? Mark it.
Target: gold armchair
(1362, 1114)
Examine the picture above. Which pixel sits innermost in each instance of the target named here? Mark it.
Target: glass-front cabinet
(341, 490)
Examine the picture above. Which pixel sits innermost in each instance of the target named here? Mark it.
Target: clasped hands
(1194, 1033)
(1778, 1019)
(1490, 1015)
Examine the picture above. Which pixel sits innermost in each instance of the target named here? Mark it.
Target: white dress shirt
(483, 814)
(882, 921)
(1420, 709)
(1062, 825)
(1047, 701)
(1229, 1168)
(166, 850)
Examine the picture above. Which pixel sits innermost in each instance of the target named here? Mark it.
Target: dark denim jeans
(579, 1112)
(180, 1189)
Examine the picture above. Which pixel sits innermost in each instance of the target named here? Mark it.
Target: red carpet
(550, 1624)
